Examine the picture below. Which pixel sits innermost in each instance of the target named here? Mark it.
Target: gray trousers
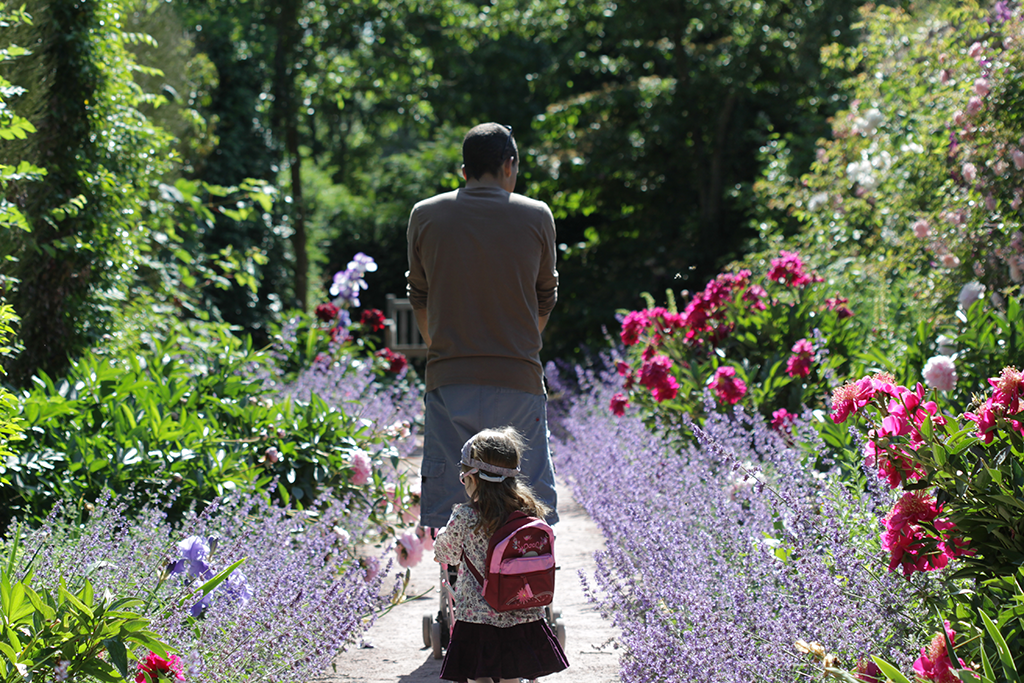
(456, 412)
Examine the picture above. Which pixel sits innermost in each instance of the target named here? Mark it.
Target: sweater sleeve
(451, 539)
(416, 276)
(547, 276)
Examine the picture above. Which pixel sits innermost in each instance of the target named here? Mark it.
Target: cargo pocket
(431, 469)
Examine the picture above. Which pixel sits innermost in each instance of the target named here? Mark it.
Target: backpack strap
(469, 565)
(472, 570)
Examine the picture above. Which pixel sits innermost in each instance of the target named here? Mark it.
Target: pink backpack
(520, 569)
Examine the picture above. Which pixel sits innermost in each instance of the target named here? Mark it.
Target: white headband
(483, 468)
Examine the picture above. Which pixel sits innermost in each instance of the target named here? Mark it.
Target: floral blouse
(470, 605)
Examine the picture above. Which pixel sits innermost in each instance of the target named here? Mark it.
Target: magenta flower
(727, 386)
(799, 364)
(782, 418)
(633, 326)
(155, 668)
(934, 663)
(788, 269)
(654, 374)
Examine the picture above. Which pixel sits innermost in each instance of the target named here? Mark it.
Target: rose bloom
(981, 86)
(970, 172)
(940, 373)
(950, 260)
(361, 467)
(409, 549)
(618, 404)
(921, 228)
(973, 106)
(1018, 159)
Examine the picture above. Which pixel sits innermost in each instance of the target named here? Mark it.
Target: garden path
(393, 649)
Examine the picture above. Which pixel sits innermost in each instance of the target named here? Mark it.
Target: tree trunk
(286, 121)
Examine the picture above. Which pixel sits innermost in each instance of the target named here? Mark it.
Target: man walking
(482, 282)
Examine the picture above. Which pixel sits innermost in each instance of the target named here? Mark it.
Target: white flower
(940, 373)
(946, 346)
(817, 201)
(60, 672)
(869, 123)
(970, 293)
(915, 147)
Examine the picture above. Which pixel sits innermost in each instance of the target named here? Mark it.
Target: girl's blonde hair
(494, 501)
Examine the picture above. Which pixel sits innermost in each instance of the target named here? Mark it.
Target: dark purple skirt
(528, 650)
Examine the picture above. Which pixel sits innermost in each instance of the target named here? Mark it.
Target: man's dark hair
(486, 147)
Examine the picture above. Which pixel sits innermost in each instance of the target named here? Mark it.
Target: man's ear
(507, 167)
(464, 176)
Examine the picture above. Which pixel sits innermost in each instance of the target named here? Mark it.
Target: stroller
(436, 631)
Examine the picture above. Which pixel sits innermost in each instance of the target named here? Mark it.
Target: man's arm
(542, 321)
(421, 322)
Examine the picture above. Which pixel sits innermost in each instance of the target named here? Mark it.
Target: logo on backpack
(520, 565)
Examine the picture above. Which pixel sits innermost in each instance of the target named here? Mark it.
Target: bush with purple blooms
(242, 589)
(723, 554)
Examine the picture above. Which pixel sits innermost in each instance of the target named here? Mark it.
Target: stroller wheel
(427, 621)
(435, 640)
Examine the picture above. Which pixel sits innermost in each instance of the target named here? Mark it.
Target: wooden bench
(400, 332)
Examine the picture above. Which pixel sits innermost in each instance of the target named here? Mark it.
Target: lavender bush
(299, 597)
(721, 556)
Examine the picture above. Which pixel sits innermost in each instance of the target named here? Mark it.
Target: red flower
(372, 319)
(396, 362)
(654, 374)
(618, 405)
(838, 304)
(327, 312)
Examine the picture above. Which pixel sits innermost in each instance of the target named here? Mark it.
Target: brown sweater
(482, 262)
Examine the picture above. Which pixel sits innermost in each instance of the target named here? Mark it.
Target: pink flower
(921, 228)
(975, 50)
(782, 418)
(934, 663)
(618, 405)
(361, 467)
(727, 386)
(371, 568)
(1007, 389)
(799, 364)
(632, 326)
(426, 538)
(970, 172)
(940, 373)
(985, 418)
(990, 202)
(654, 374)
(950, 260)
(409, 549)
(867, 671)
(850, 398)
(973, 106)
(959, 118)
(904, 536)
(150, 669)
(981, 86)
(1018, 159)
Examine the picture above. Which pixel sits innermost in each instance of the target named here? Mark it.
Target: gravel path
(393, 650)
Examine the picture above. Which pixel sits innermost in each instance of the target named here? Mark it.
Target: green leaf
(1009, 670)
(891, 672)
(118, 655)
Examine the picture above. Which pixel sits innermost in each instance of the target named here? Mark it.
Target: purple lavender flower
(348, 283)
(237, 588)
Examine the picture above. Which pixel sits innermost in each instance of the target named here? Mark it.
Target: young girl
(485, 645)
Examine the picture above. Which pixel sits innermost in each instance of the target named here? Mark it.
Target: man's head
(486, 148)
